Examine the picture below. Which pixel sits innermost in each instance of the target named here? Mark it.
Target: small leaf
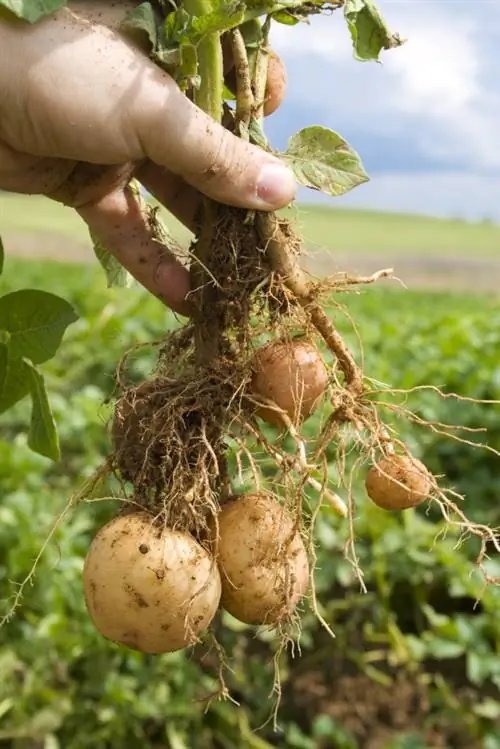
(489, 709)
(368, 29)
(14, 380)
(143, 18)
(36, 322)
(187, 73)
(256, 133)
(251, 31)
(227, 94)
(116, 275)
(183, 28)
(478, 666)
(286, 18)
(324, 161)
(42, 436)
(2, 255)
(440, 648)
(32, 10)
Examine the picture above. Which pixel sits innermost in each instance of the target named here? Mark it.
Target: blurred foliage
(415, 664)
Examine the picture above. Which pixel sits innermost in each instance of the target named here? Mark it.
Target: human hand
(83, 110)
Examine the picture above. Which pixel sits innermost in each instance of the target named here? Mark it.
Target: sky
(426, 121)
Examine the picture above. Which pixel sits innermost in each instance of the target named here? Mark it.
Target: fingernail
(276, 186)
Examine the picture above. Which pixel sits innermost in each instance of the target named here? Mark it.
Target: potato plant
(259, 348)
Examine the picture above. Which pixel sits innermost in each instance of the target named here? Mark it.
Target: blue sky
(426, 122)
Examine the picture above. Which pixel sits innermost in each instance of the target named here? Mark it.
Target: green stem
(209, 96)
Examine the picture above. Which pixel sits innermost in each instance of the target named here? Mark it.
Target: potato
(276, 84)
(292, 375)
(150, 588)
(398, 482)
(263, 580)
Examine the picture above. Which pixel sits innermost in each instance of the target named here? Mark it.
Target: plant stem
(260, 73)
(285, 264)
(210, 65)
(209, 98)
(244, 95)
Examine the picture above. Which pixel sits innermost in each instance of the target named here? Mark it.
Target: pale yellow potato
(263, 578)
(150, 588)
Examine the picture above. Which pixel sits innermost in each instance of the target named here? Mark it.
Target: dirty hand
(83, 110)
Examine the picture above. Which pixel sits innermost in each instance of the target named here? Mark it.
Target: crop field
(415, 663)
(424, 252)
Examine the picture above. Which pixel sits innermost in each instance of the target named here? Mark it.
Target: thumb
(175, 134)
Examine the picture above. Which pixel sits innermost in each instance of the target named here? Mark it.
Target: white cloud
(446, 195)
(440, 90)
(437, 69)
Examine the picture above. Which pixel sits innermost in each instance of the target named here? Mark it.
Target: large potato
(150, 588)
(263, 578)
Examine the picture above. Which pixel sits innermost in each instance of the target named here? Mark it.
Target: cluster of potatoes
(157, 589)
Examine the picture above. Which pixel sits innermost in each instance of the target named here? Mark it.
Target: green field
(415, 662)
(334, 229)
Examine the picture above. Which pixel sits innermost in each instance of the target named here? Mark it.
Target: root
(222, 693)
(288, 462)
(284, 263)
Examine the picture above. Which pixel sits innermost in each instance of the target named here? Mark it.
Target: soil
(375, 713)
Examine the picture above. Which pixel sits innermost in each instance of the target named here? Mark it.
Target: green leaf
(32, 10)
(488, 708)
(183, 28)
(116, 275)
(14, 380)
(42, 436)
(227, 94)
(2, 255)
(143, 18)
(324, 161)
(368, 29)
(187, 73)
(478, 666)
(36, 322)
(440, 648)
(286, 18)
(146, 19)
(256, 133)
(251, 31)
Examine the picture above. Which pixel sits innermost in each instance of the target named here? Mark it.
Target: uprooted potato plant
(258, 349)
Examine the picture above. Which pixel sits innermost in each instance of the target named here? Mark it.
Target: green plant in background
(63, 686)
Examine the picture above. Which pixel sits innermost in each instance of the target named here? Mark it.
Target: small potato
(292, 375)
(276, 84)
(150, 588)
(398, 482)
(263, 580)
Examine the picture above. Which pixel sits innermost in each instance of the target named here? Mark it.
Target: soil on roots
(169, 432)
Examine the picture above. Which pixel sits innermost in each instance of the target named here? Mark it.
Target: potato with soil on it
(398, 482)
(148, 587)
(291, 374)
(264, 570)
